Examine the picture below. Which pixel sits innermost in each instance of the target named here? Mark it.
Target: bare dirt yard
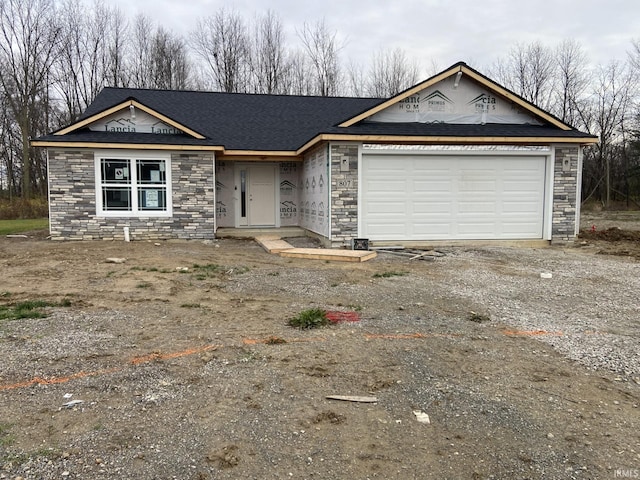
(179, 363)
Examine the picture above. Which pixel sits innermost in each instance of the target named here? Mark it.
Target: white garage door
(442, 197)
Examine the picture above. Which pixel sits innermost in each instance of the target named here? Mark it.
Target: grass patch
(6, 438)
(190, 305)
(29, 309)
(479, 317)
(143, 285)
(202, 272)
(210, 270)
(310, 318)
(12, 227)
(389, 274)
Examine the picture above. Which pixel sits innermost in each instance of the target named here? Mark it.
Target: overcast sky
(440, 31)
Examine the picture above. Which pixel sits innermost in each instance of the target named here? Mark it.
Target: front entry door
(258, 192)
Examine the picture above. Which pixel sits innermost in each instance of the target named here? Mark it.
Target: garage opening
(442, 194)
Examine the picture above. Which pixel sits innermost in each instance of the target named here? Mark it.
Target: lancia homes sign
(137, 122)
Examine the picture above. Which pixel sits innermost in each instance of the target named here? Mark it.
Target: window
(133, 184)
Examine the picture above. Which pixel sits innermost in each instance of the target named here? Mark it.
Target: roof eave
(124, 145)
(446, 140)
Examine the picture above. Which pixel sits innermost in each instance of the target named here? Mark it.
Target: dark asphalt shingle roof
(273, 122)
(242, 121)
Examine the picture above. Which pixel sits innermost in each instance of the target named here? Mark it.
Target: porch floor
(282, 232)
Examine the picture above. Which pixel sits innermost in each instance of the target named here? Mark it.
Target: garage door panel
(479, 208)
(387, 185)
(385, 229)
(433, 230)
(525, 207)
(431, 185)
(432, 208)
(431, 197)
(384, 208)
(484, 229)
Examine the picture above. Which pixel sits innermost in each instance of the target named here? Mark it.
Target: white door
(258, 192)
(442, 197)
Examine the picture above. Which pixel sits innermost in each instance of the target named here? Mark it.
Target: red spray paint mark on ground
(134, 361)
(531, 333)
(335, 316)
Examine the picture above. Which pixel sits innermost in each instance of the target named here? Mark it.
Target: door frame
(243, 222)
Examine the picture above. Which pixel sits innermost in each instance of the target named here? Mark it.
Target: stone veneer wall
(565, 190)
(344, 195)
(73, 210)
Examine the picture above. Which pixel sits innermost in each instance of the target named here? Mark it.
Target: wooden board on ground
(353, 398)
(273, 244)
(329, 254)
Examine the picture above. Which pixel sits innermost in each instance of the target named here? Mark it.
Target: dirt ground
(182, 366)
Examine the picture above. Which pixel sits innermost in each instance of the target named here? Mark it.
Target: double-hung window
(133, 184)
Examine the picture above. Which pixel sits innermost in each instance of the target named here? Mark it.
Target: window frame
(135, 186)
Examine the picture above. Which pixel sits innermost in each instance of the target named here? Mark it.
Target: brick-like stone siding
(344, 194)
(565, 189)
(72, 201)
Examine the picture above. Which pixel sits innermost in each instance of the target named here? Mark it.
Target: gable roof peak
(461, 68)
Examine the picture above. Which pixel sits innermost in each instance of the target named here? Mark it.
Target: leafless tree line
(56, 55)
(602, 101)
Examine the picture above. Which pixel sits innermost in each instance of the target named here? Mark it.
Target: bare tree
(157, 58)
(355, 76)
(29, 39)
(572, 81)
(300, 79)
(140, 45)
(222, 42)
(88, 58)
(608, 114)
(169, 63)
(10, 152)
(390, 73)
(321, 46)
(529, 70)
(116, 37)
(269, 62)
(634, 54)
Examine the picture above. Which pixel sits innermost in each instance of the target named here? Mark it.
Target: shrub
(23, 208)
(310, 318)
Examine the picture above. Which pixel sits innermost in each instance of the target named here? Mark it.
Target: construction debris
(352, 398)
(421, 416)
(115, 260)
(412, 254)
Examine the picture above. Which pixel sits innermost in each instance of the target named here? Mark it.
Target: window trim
(132, 156)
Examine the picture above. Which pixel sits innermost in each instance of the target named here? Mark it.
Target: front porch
(282, 232)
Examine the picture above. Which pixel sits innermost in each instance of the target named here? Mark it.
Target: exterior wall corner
(566, 176)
